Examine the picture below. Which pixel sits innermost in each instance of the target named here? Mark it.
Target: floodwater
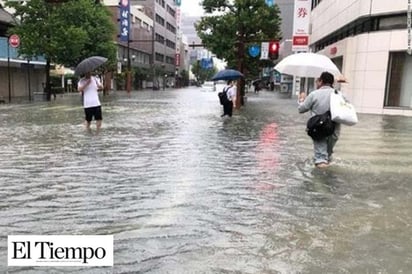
(185, 191)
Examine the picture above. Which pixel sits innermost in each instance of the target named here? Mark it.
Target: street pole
(28, 76)
(8, 69)
(239, 93)
(129, 66)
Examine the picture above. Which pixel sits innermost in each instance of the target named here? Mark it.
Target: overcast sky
(192, 7)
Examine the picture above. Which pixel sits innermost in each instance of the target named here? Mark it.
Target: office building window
(171, 11)
(160, 38)
(159, 57)
(399, 83)
(170, 44)
(160, 20)
(171, 28)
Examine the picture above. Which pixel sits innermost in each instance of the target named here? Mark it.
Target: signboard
(14, 41)
(119, 67)
(264, 53)
(178, 32)
(206, 63)
(301, 21)
(270, 2)
(124, 11)
(254, 50)
(177, 59)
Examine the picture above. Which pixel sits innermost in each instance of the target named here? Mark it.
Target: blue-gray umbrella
(89, 64)
(227, 74)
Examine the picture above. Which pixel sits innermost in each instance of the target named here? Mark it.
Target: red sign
(300, 40)
(14, 41)
(177, 59)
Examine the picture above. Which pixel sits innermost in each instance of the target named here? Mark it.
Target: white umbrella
(307, 64)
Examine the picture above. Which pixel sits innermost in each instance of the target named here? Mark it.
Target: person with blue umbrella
(230, 92)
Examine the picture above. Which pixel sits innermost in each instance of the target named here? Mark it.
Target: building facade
(20, 78)
(368, 40)
(163, 14)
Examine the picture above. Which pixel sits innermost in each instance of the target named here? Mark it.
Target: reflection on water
(184, 191)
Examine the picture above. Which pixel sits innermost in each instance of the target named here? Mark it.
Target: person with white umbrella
(318, 102)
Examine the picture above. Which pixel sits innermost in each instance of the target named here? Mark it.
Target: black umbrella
(89, 64)
(227, 74)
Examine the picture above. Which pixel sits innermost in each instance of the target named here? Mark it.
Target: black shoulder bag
(320, 126)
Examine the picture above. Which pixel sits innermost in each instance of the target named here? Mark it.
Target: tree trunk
(48, 86)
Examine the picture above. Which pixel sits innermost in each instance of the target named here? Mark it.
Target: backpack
(320, 126)
(223, 97)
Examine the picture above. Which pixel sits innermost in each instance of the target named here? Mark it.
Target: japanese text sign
(124, 10)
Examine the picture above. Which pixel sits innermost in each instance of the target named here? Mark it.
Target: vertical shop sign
(301, 21)
(124, 10)
(178, 36)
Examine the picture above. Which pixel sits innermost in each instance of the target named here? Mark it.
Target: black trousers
(228, 108)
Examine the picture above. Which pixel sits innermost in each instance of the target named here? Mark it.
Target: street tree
(231, 26)
(63, 32)
(202, 74)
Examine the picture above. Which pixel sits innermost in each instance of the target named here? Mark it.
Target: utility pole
(129, 67)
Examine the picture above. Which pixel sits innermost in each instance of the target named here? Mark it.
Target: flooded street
(185, 191)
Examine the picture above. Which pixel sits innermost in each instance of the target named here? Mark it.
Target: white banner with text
(60, 250)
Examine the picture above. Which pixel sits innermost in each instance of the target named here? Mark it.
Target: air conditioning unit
(284, 88)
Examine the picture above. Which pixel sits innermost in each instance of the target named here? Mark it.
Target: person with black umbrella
(89, 86)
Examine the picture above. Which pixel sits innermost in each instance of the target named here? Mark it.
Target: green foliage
(64, 33)
(238, 25)
(202, 74)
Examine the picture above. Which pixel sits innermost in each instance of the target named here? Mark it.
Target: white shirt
(231, 93)
(90, 95)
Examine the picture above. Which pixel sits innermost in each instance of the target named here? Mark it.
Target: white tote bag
(341, 110)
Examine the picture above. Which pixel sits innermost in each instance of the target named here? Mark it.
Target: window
(159, 57)
(160, 20)
(171, 11)
(170, 44)
(170, 60)
(399, 83)
(171, 28)
(160, 38)
(395, 22)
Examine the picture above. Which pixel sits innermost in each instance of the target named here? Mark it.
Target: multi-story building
(138, 51)
(369, 41)
(20, 78)
(163, 14)
(153, 38)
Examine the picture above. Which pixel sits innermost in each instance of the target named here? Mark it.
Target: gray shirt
(318, 101)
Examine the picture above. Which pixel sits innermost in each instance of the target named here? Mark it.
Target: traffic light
(274, 50)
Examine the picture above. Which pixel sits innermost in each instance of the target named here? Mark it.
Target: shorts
(95, 112)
